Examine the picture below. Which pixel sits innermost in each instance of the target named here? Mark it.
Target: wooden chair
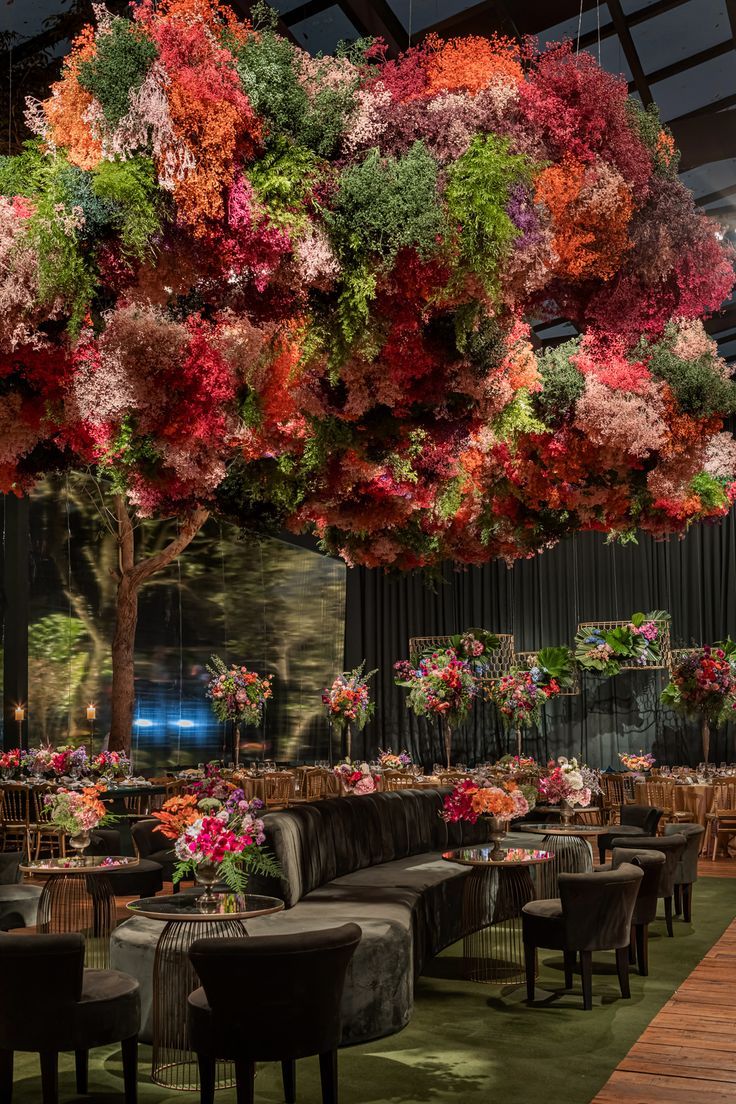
(613, 797)
(722, 812)
(16, 809)
(660, 794)
(42, 835)
(397, 780)
(278, 789)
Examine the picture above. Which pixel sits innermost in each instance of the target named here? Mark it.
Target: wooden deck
(687, 1055)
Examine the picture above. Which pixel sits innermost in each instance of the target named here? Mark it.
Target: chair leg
(687, 902)
(642, 948)
(668, 916)
(530, 964)
(49, 1076)
(207, 1077)
(129, 1049)
(570, 960)
(81, 1062)
(176, 887)
(586, 974)
(601, 853)
(328, 1076)
(632, 947)
(288, 1075)
(245, 1081)
(678, 900)
(622, 969)
(6, 1076)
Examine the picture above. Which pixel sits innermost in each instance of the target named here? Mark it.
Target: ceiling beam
(244, 9)
(674, 70)
(376, 19)
(731, 9)
(701, 141)
(706, 110)
(711, 197)
(632, 57)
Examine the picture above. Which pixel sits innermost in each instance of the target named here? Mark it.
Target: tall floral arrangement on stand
(348, 702)
(703, 685)
(298, 290)
(442, 685)
(238, 695)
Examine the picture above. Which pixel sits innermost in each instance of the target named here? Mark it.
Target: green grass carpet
(470, 1043)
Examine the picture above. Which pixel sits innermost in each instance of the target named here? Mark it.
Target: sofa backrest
(321, 840)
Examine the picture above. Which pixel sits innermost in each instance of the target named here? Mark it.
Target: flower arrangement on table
(217, 840)
(390, 761)
(517, 764)
(213, 785)
(61, 762)
(569, 784)
(703, 684)
(110, 764)
(12, 763)
(636, 644)
(236, 693)
(77, 813)
(476, 797)
(355, 777)
(638, 764)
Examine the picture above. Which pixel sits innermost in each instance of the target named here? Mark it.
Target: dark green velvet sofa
(375, 859)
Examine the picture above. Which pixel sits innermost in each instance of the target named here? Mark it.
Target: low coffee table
(573, 852)
(496, 890)
(78, 896)
(174, 1065)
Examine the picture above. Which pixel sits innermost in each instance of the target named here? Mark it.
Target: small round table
(174, 1065)
(78, 896)
(496, 890)
(573, 853)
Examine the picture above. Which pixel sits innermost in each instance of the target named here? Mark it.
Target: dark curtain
(541, 601)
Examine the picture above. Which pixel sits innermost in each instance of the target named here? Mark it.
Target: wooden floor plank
(687, 1054)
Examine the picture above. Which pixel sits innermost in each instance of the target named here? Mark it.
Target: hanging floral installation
(299, 290)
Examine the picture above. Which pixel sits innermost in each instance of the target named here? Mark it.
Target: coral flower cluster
(300, 290)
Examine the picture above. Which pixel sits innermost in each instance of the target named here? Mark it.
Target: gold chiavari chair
(278, 789)
(613, 797)
(720, 822)
(43, 836)
(397, 780)
(660, 793)
(16, 810)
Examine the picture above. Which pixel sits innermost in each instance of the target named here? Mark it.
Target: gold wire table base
(573, 855)
(494, 955)
(174, 1065)
(80, 903)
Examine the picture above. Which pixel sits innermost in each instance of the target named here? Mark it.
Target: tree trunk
(130, 578)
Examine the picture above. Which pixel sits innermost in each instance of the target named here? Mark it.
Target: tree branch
(126, 544)
(189, 528)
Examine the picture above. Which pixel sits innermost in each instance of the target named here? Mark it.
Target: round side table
(496, 890)
(573, 853)
(78, 896)
(174, 1065)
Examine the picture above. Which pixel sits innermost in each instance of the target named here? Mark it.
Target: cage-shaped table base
(573, 855)
(174, 1065)
(80, 903)
(494, 954)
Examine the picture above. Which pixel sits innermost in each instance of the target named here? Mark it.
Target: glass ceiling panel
(710, 178)
(419, 14)
(284, 6)
(696, 87)
(321, 33)
(569, 28)
(680, 33)
(611, 56)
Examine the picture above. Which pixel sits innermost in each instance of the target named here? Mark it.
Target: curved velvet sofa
(375, 859)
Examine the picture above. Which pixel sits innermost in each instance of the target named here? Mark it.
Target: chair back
(724, 796)
(397, 780)
(42, 981)
(612, 787)
(659, 792)
(687, 867)
(314, 784)
(672, 847)
(16, 803)
(148, 838)
(41, 812)
(597, 908)
(646, 817)
(299, 980)
(651, 862)
(278, 788)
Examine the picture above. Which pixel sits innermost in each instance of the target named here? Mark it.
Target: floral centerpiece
(237, 695)
(213, 785)
(12, 763)
(389, 761)
(495, 802)
(348, 702)
(77, 812)
(638, 764)
(568, 785)
(635, 644)
(442, 685)
(62, 762)
(703, 684)
(110, 764)
(355, 777)
(217, 840)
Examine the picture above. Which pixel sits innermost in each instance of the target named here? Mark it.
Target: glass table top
(487, 855)
(79, 864)
(558, 829)
(189, 906)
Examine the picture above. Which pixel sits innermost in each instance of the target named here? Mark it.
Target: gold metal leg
(572, 856)
(494, 954)
(83, 904)
(174, 978)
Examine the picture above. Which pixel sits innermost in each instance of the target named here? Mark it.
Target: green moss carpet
(470, 1043)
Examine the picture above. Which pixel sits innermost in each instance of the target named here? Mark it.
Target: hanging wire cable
(580, 27)
(598, 23)
(411, 17)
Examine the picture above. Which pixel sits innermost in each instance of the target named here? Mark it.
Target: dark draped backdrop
(541, 601)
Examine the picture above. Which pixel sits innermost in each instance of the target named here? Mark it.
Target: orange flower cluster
(67, 109)
(471, 64)
(177, 814)
(492, 801)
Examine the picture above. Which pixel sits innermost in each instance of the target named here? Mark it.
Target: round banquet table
(496, 890)
(695, 798)
(77, 896)
(572, 852)
(173, 1065)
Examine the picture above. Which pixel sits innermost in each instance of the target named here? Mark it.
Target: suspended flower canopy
(300, 289)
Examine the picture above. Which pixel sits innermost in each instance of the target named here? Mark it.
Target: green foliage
(698, 385)
(99, 214)
(709, 490)
(384, 204)
(557, 663)
(23, 173)
(131, 190)
(52, 638)
(282, 179)
(478, 188)
(353, 305)
(63, 271)
(118, 68)
(518, 417)
(605, 651)
(265, 65)
(650, 129)
(562, 383)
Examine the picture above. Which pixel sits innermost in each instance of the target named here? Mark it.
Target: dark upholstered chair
(152, 845)
(298, 980)
(687, 868)
(636, 820)
(593, 913)
(145, 879)
(645, 909)
(18, 902)
(672, 847)
(50, 1003)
